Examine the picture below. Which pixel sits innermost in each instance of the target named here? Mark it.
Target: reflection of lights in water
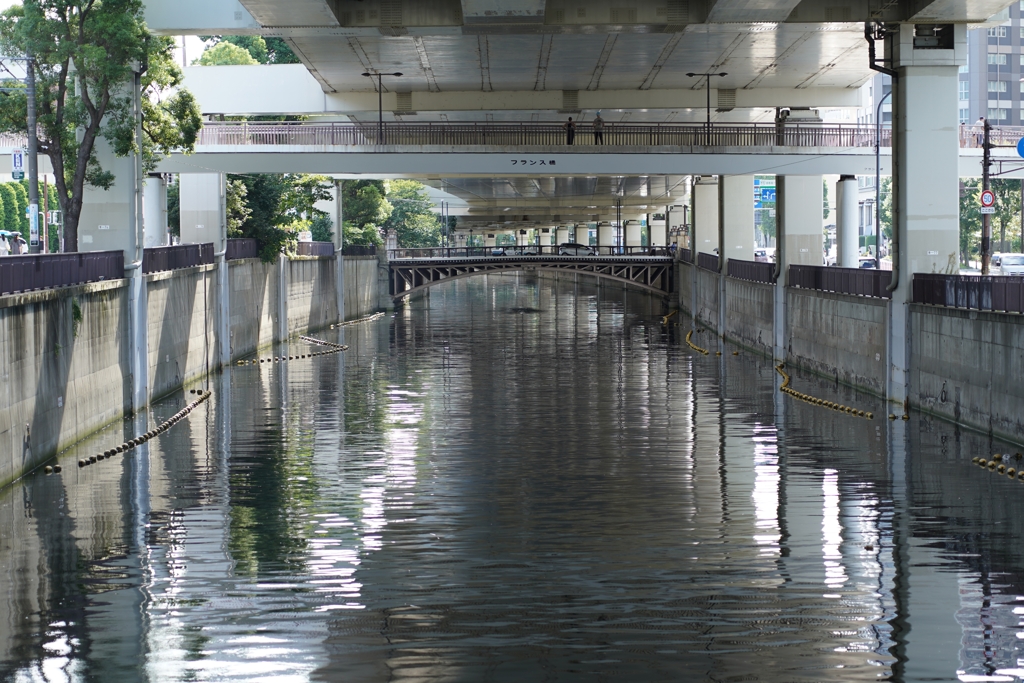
(832, 532)
(766, 490)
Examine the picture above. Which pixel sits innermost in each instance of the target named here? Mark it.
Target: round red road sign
(988, 198)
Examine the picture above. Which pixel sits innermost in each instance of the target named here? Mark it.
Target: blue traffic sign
(1020, 147)
(768, 194)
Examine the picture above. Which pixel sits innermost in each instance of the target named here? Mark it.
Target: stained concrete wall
(967, 366)
(707, 297)
(312, 295)
(181, 315)
(838, 336)
(60, 380)
(253, 302)
(749, 314)
(361, 286)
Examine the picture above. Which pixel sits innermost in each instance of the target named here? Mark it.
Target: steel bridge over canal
(415, 270)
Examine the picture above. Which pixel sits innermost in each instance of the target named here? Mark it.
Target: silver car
(1011, 264)
(574, 249)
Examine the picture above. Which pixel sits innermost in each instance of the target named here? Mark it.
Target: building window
(997, 86)
(965, 115)
(997, 32)
(1000, 114)
(965, 89)
(994, 58)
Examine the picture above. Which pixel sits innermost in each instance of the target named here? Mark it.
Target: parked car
(1011, 264)
(765, 255)
(498, 251)
(867, 262)
(574, 249)
(530, 250)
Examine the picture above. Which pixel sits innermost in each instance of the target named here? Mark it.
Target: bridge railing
(242, 247)
(315, 249)
(855, 281)
(528, 250)
(30, 272)
(157, 259)
(359, 250)
(754, 271)
(707, 261)
(977, 292)
(539, 133)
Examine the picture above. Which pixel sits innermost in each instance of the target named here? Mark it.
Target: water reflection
(517, 479)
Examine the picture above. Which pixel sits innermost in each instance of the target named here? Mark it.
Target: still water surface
(517, 480)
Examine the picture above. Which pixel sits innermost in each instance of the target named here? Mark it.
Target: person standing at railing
(570, 132)
(20, 246)
(979, 137)
(5, 246)
(598, 129)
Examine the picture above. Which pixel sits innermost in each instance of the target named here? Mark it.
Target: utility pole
(33, 159)
(986, 228)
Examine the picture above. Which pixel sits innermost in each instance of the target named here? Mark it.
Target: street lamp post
(380, 102)
(708, 76)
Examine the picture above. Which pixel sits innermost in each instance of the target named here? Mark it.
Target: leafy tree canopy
(412, 218)
(263, 50)
(224, 54)
(85, 53)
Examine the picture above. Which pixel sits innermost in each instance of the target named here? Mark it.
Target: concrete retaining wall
(60, 379)
(750, 309)
(181, 316)
(838, 336)
(254, 310)
(312, 294)
(968, 366)
(707, 298)
(361, 286)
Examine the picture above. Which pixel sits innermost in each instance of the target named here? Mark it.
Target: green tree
(970, 219)
(412, 218)
(366, 235)
(279, 52)
(238, 210)
(885, 210)
(174, 208)
(303, 192)
(256, 46)
(266, 221)
(1006, 219)
(10, 207)
(84, 55)
(321, 227)
(365, 205)
(263, 50)
(223, 54)
(22, 194)
(826, 211)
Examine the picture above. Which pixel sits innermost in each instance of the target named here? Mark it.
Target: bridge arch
(651, 274)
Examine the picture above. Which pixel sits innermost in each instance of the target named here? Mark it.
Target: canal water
(518, 480)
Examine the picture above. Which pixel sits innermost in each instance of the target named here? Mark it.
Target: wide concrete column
(659, 232)
(847, 223)
(154, 199)
(562, 234)
(633, 232)
(925, 180)
(801, 213)
(490, 239)
(605, 235)
(203, 210)
(705, 216)
(736, 218)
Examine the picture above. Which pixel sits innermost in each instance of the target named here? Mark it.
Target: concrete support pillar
(847, 223)
(925, 180)
(801, 212)
(705, 216)
(561, 234)
(736, 218)
(154, 191)
(605, 236)
(633, 232)
(659, 232)
(490, 239)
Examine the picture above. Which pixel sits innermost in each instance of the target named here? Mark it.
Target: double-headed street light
(708, 76)
(380, 102)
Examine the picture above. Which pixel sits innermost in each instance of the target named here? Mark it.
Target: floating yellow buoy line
(997, 465)
(694, 346)
(664, 318)
(818, 401)
(333, 348)
(367, 319)
(138, 441)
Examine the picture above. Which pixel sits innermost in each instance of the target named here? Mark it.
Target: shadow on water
(472, 492)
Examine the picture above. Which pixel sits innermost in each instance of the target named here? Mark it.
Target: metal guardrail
(707, 261)
(537, 133)
(359, 250)
(685, 255)
(855, 281)
(157, 259)
(315, 249)
(972, 135)
(527, 250)
(978, 292)
(46, 271)
(242, 247)
(754, 271)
